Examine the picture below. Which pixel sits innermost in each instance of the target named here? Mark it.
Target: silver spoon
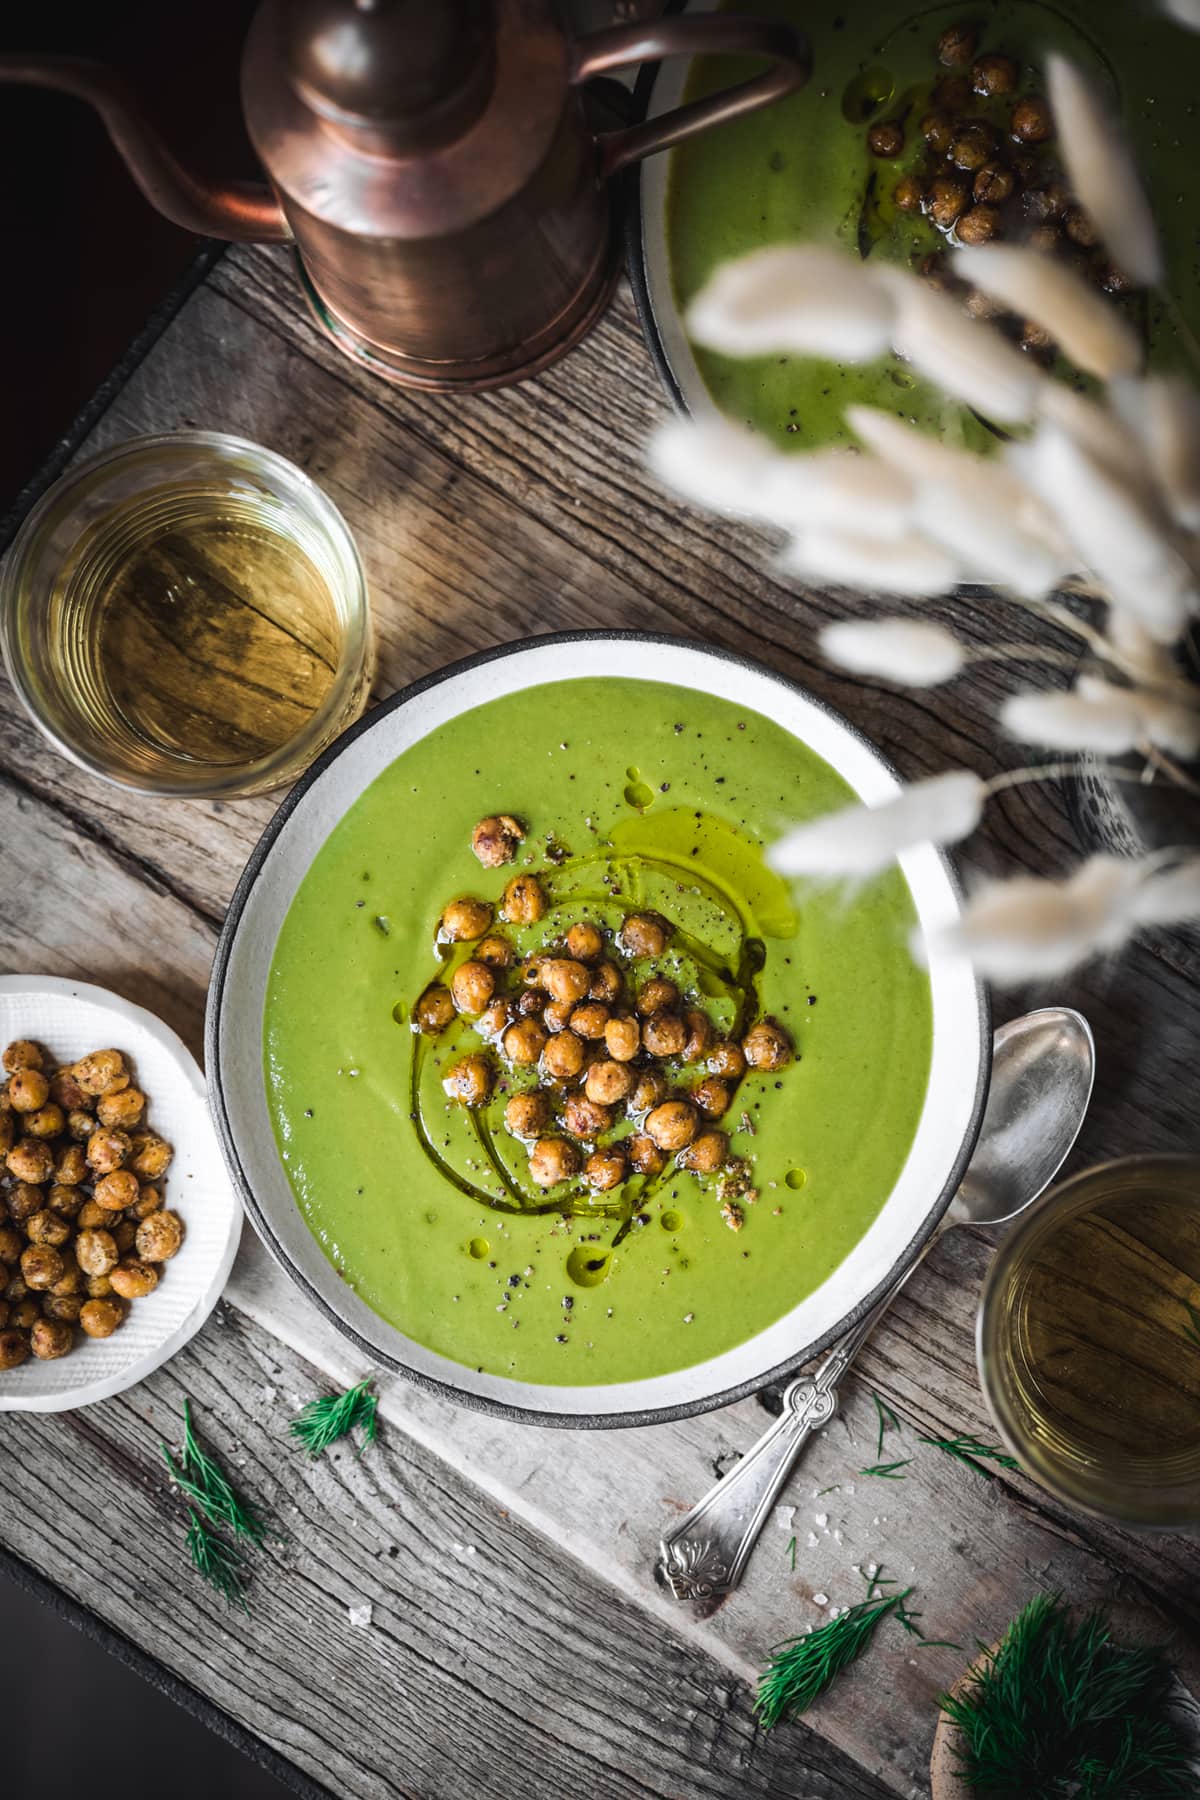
(1042, 1069)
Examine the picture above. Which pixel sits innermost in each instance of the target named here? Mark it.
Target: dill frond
(801, 1670)
(220, 1563)
(887, 1471)
(887, 1422)
(205, 1483)
(324, 1421)
(969, 1450)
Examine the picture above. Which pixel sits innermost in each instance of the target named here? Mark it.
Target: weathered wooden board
(549, 1658)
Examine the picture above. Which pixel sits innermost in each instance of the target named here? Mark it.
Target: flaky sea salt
(784, 1516)
(361, 1614)
(820, 1599)
(821, 1520)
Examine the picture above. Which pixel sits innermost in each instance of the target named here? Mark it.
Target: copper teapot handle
(719, 33)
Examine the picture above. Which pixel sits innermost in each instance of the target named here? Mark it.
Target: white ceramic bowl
(948, 1123)
(70, 1018)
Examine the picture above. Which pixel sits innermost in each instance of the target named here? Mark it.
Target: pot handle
(716, 33)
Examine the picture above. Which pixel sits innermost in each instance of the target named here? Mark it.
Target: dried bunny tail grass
(912, 651)
(808, 298)
(1168, 896)
(973, 506)
(911, 567)
(1102, 172)
(1024, 929)
(1163, 412)
(1184, 12)
(1106, 438)
(836, 490)
(712, 462)
(1089, 329)
(1118, 533)
(861, 840)
(966, 359)
(1168, 722)
(1107, 722)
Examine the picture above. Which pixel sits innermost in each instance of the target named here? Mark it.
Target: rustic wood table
(519, 1644)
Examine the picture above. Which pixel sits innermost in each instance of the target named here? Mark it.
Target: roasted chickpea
(493, 1020)
(47, 1122)
(47, 1227)
(101, 1317)
(469, 1081)
(952, 91)
(108, 1150)
(16, 1287)
(937, 128)
(124, 1235)
(656, 996)
(1047, 205)
(10, 1246)
(606, 984)
(132, 1279)
(98, 1286)
(994, 74)
(644, 934)
(644, 1154)
(527, 1115)
(726, 1060)
(1036, 341)
(565, 979)
(585, 941)
(524, 900)
(672, 1125)
(979, 226)
(552, 1160)
(1032, 122)
(64, 1200)
(70, 1281)
(590, 1020)
(665, 1034)
(115, 1191)
(981, 306)
(66, 1092)
(531, 1002)
(706, 1153)
(993, 184)
(767, 1045)
(563, 1056)
(14, 1348)
(22, 1053)
(41, 1265)
(524, 1041)
(972, 147)
(531, 971)
(472, 986)
(936, 274)
(604, 1169)
(557, 1014)
(96, 1252)
(945, 200)
(712, 1096)
(8, 1130)
(608, 1082)
(121, 1110)
(495, 951)
(91, 1217)
(1043, 238)
(584, 1118)
(50, 1339)
(159, 1237)
(956, 45)
(699, 1034)
(886, 138)
(434, 1010)
(1080, 229)
(103, 1072)
(149, 1201)
(496, 839)
(622, 1038)
(80, 1125)
(909, 193)
(28, 1090)
(1114, 280)
(23, 1199)
(27, 1312)
(64, 1307)
(650, 1089)
(151, 1156)
(5, 1310)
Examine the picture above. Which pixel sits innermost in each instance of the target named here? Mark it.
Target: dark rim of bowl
(635, 245)
(483, 1402)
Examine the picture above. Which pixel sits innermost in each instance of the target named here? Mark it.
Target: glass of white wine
(187, 614)
(1089, 1341)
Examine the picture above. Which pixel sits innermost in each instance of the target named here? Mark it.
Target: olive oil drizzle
(739, 984)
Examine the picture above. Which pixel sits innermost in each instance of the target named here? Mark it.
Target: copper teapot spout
(243, 211)
(436, 167)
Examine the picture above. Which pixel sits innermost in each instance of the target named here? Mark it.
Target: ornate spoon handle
(706, 1552)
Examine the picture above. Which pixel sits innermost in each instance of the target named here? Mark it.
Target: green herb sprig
(1059, 1709)
(887, 1422)
(801, 1670)
(324, 1421)
(888, 1471)
(1192, 1328)
(969, 1450)
(205, 1482)
(220, 1563)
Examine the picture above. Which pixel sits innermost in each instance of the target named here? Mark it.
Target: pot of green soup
(540, 1082)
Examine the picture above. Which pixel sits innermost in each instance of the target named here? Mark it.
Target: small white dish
(70, 1018)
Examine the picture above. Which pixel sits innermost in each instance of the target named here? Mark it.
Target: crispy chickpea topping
(464, 920)
(115, 1191)
(565, 979)
(132, 1279)
(590, 1020)
(622, 1038)
(151, 1156)
(644, 934)
(979, 225)
(956, 45)
(665, 1034)
(945, 200)
(22, 1053)
(886, 138)
(524, 1041)
(585, 941)
(767, 1046)
(672, 1125)
(584, 1118)
(994, 74)
(553, 1160)
(31, 1159)
(493, 1019)
(712, 1096)
(606, 984)
(123, 1109)
(23, 1200)
(108, 1150)
(608, 1082)
(706, 1153)
(645, 1157)
(937, 128)
(657, 996)
(41, 1265)
(96, 1252)
(993, 184)
(469, 1081)
(80, 1125)
(972, 147)
(47, 1227)
(1032, 121)
(726, 1060)
(699, 1034)
(67, 1093)
(909, 193)
(50, 1339)
(103, 1072)
(472, 986)
(650, 1089)
(496, 839)
(47, 1122)
(495, 951)
(563, 1056)
(527, 1115)
(531, 1003)
(101, 1317)
(557, 1014)
(158, 1237)
(604, 1169)
(524, 901)
(14, 1348)
(28, 1090)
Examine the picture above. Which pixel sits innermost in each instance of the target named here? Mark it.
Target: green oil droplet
(588, 1267)
(796, 1178)
(639, 796)
(479, 1248)
(633, 773)
(672, 1221)
(399, 1012)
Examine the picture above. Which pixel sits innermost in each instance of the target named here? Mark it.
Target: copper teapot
(433, 165)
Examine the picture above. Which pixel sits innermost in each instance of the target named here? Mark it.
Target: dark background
(86, 262)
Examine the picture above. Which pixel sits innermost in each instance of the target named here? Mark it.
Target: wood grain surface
(520, 1643)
